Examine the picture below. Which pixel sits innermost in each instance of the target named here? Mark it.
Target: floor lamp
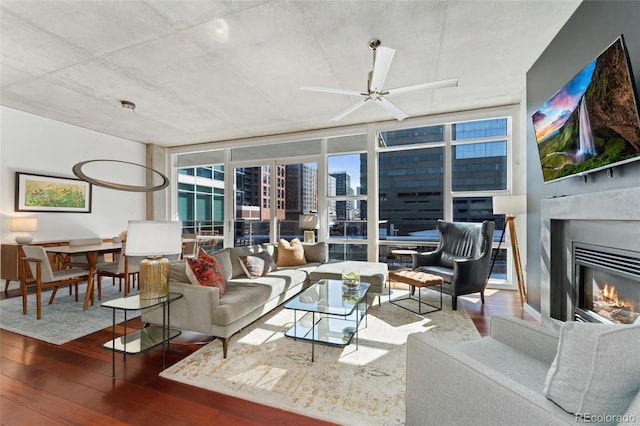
(511, 205)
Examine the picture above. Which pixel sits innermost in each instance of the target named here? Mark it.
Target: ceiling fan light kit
(382, 57)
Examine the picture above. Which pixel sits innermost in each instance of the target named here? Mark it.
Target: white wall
(30, 143)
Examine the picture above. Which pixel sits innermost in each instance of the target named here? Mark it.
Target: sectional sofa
(524, 373)
(202, 310)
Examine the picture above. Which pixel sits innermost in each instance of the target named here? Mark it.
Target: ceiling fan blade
(392, 109)
(329, 90)
(349, 110)
(439, 84)
(384, 56)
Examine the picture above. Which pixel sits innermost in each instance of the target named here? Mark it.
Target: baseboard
(531, 311)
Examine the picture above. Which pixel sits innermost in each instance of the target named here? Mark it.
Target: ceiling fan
(382, 57)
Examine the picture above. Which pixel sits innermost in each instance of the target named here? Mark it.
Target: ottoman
(372, 273)
(416, 279)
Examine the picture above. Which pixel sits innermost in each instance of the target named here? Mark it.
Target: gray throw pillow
(224, 260)
(177, 272)
(315, 252)
(596, 370)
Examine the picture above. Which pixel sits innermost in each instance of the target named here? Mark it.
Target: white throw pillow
(596, 370)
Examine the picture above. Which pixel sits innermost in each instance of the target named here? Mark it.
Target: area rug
(351, 386)
(63, 320)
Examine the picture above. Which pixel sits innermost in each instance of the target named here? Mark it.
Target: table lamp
(510, 206)
(153, 239)
(23, 225)
(308, 222)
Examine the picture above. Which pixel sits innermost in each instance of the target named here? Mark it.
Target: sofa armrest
(469, 275)
(428, 258)
(526, 337)
(192, 312)
(445, 386)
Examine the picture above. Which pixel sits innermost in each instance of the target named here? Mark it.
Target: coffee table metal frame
(412, 283)
(332, 315)
(146, 338)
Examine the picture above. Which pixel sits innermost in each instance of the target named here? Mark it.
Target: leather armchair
(462, 258)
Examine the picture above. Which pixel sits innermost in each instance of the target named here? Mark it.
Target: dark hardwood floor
(45, 384)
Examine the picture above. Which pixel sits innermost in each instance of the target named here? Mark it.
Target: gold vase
(154, 277)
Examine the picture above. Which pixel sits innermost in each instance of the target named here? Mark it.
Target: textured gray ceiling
(202, 71)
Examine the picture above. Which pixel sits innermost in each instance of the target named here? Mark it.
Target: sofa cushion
(239, 300)
(199, 271)
(223, 259)
(290, 253)
(498, 356)
(277, 282)
(257, 265)
(596, 368)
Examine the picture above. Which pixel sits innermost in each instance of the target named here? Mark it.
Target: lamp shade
(308, 221)
(509, 204)
(153, 238)
(24, 224)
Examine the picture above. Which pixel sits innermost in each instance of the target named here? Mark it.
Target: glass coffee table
(331, 313)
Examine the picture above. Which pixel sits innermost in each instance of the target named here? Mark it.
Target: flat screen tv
(592, 122)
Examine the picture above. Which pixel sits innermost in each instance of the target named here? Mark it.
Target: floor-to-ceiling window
(448, 171)
(347, 197)
(422, 170)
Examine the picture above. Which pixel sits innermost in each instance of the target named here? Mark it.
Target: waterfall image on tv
(592, 122)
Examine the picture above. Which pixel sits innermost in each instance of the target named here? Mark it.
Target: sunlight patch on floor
(261, 376)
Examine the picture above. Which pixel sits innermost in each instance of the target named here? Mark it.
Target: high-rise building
(301, 192)
(343, 187)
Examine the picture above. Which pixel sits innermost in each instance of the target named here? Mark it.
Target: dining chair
(117, 270)
(80, 260)
(191, 247)
(44, 277)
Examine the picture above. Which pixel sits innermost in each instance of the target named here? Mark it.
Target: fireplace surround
(606, 219)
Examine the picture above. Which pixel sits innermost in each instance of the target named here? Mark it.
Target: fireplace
(606, 284)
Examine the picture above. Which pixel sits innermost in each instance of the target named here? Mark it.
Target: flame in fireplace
(611, 306)
(609, 294)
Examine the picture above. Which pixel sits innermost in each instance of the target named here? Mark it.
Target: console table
(146, 338)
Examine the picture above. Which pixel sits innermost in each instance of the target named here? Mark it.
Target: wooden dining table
(92, 252)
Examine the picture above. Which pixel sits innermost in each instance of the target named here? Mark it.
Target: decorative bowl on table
(350, 279)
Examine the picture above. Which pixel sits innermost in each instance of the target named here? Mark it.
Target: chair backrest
(191, 247)
(85, 241)
(466, 240)
(134, 261)
(38, 252)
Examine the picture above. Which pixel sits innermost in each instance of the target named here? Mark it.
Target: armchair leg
(454, 302)
(482, 296)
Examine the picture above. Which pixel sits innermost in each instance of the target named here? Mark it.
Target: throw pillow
(596, 369)
(316, 252)
(291, 254)
(201, 272)
(223, 259)
(257, 265)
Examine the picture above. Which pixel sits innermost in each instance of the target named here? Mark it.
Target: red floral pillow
(203, 255)
(203, 272)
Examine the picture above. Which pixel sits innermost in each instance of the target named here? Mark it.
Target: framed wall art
(42, 193)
